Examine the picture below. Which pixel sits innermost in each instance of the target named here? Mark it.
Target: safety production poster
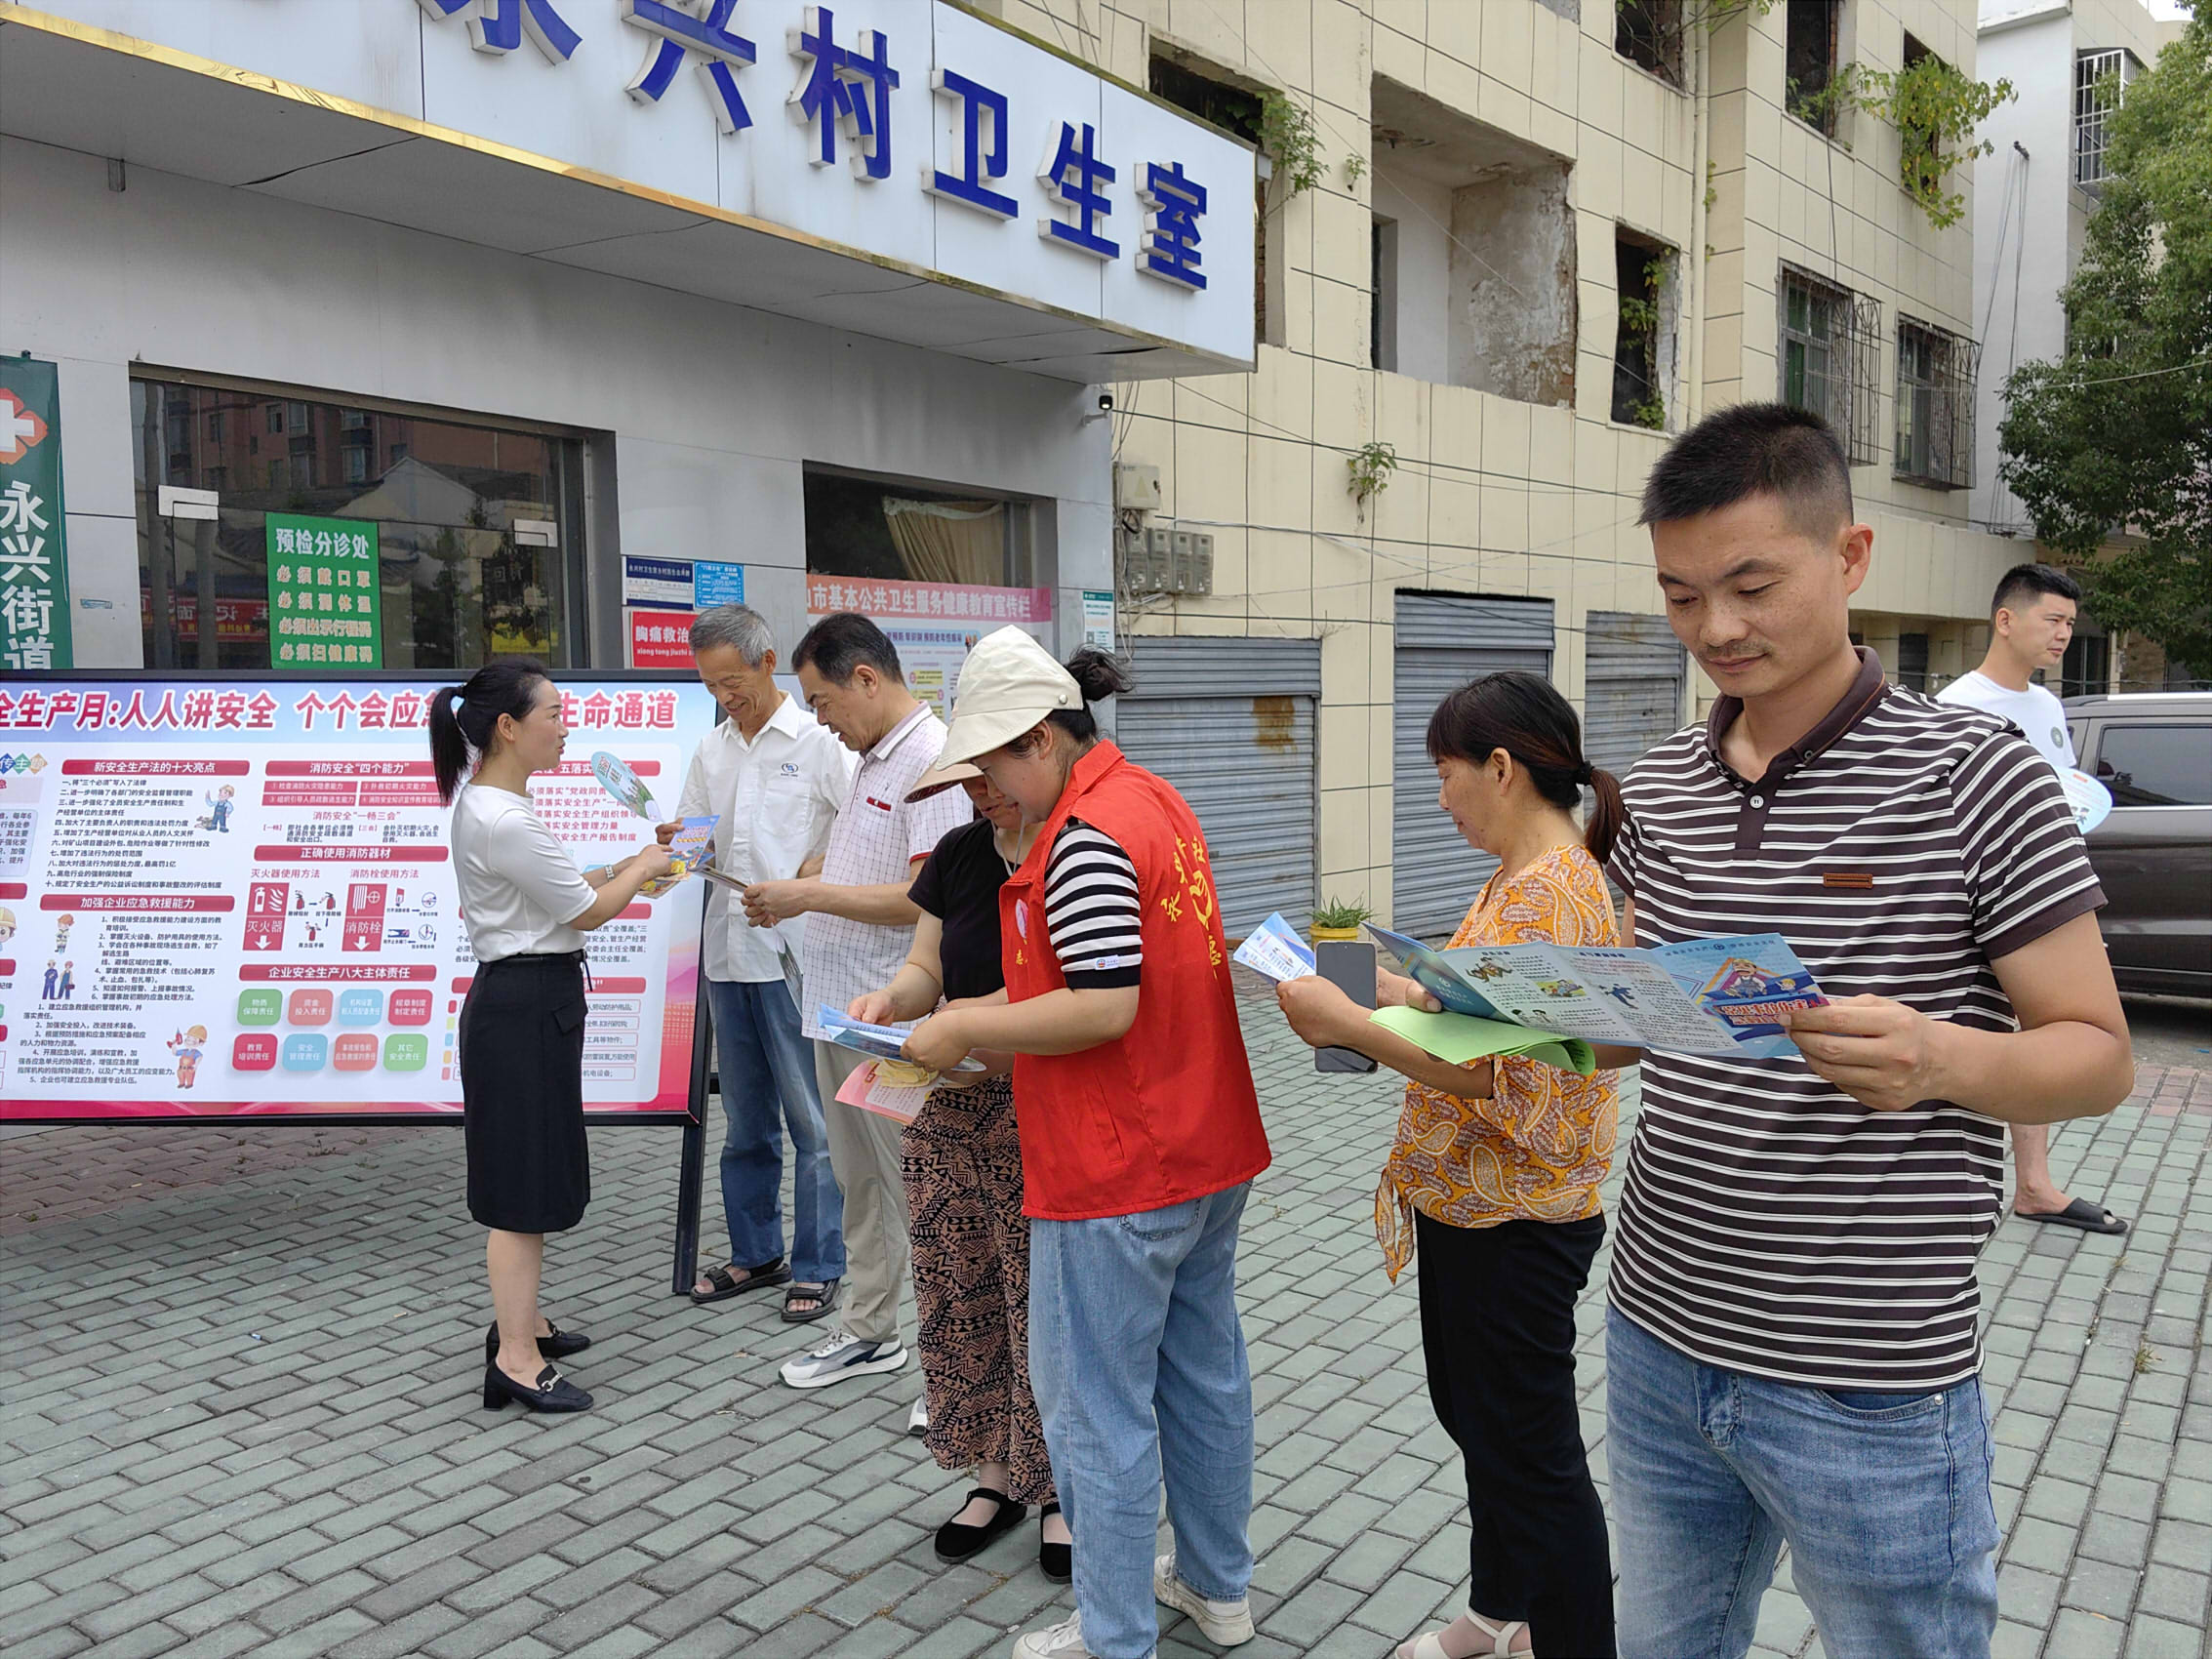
(235, 897)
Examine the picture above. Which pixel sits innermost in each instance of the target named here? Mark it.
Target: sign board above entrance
(912, 135)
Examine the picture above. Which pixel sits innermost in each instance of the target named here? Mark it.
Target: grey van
(2154, 855)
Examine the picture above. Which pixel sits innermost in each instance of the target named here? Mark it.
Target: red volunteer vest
(1168, 1112)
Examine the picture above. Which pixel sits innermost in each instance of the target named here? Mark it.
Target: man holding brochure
(774, 780)
(1791, 1345)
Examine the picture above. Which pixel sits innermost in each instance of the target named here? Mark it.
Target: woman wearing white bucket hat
(1139, 1131)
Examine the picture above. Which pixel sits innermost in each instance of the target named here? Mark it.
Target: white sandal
(1428, 1645)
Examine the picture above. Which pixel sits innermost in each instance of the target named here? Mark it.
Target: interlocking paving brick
(703, 1510)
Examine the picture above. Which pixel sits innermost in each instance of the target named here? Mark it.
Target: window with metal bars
(1829, 358)
(2099, 82)
(1935, 406)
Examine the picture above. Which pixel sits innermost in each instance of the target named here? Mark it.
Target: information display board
(233, 897)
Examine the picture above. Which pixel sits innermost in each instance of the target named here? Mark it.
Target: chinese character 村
(1173, 205)
(686, 27)
(828, 93)
(498, 26)
(977, 163)
(1072, 175)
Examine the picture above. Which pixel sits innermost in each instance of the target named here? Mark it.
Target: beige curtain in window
(956, 542)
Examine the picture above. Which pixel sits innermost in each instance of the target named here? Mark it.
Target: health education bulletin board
(233, 897)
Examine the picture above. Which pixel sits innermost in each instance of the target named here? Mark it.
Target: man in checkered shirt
(863, 926)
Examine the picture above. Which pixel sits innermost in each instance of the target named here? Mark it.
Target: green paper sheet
(1457, 1038)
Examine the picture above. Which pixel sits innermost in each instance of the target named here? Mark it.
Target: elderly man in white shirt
(863, 927)
(776, 780)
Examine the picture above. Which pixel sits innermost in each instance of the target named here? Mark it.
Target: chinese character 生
(1073, 175)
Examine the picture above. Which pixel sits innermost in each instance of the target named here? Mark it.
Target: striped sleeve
(1092, 910)
(2027, 869)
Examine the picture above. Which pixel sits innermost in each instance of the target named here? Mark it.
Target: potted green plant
(1338, 918)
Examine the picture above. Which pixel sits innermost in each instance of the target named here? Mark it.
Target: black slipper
(2081, 1213)
(727, 1284)
(1057, 1561)
(956, 1543)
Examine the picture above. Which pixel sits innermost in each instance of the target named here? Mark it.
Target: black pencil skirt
(522, 1093)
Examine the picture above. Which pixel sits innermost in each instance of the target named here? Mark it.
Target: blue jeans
(1883, 1500)
(765, 1061)
(1137, 1358)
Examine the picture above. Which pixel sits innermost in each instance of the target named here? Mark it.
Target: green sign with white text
(35, 573)
(324, 605)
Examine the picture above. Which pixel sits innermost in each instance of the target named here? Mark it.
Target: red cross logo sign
(21, 428)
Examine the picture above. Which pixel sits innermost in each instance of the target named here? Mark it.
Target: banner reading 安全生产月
(325, 609)
(34, 571)
(235, 897)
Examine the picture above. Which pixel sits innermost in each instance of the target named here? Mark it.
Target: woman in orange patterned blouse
(1495, 1172)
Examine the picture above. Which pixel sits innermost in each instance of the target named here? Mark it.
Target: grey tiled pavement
(240, 1416)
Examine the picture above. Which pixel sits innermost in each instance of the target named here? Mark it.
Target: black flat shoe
(1057, 1561)
(552, 1392)
(956, 1543)
(555, 1343)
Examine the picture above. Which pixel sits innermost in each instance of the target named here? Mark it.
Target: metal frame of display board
(692, 1159)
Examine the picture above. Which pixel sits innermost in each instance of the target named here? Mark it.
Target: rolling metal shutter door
(1230, 723)
(1443, 641)
(1632, 674)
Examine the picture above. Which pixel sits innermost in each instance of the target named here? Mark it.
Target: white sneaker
(1225, 1624)
(917, 1419)
(1062, 1641)
(841, 1356)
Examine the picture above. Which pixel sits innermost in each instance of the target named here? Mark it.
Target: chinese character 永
(498, 26)
(1073, 175)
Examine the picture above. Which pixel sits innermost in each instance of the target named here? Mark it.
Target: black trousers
(1497, 1330)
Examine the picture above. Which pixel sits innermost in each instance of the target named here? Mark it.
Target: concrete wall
(1423, 214)
(711, 410)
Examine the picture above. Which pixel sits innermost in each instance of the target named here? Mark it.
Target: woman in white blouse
(527, 908)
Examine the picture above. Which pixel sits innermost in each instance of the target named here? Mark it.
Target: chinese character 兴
(978, 163)
(682, 27)
(830, 93)
(1073, 175)
(498, 26)
(1173, 205)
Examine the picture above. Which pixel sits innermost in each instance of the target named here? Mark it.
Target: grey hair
(739, 626)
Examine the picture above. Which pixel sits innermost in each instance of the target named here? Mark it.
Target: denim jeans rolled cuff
(768, 1086)
(1137, 1355)
(1883, 1499)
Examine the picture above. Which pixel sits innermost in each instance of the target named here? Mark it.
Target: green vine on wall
(1935, 109)
(1287, 133)
(1370, 466)
(1639, 314)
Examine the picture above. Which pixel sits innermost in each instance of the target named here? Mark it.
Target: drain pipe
(1694, 261)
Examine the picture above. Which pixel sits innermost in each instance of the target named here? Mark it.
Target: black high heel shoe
(1057, 1561)
(552, 1391)
(555, 1343)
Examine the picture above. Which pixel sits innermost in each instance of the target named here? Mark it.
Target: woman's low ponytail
(1607, 814)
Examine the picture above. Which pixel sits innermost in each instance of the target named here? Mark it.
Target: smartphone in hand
(1348, 964)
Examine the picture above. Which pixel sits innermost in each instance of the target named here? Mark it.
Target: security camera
(1106, 403)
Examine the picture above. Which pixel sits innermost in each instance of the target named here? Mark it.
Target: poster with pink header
(235, 897)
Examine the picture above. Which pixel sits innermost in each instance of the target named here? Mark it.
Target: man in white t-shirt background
(2032, 618)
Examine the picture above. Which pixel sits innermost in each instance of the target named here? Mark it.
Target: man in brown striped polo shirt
(1792, 1349)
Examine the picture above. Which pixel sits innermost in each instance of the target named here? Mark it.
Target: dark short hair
(2025, 581)
(838, 644)
(1753, 449)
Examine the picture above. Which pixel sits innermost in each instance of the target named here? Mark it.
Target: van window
(2168, 764)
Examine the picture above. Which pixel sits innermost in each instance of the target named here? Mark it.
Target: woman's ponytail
(449, 747)
(464, 719)
(1608, 813)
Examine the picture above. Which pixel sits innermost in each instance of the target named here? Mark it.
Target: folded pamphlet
(691, 852)
(901, 1103)
(1695, 996)
(1275, 948)
(878, 1042)
(1460, 1039)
